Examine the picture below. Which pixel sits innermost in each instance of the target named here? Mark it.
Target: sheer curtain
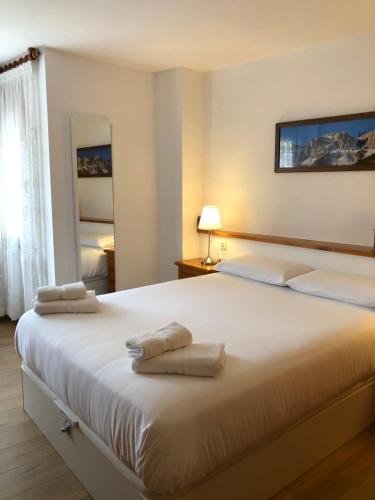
(22, 244)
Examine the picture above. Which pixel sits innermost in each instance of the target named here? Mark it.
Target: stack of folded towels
(70, 298)
(171, 350)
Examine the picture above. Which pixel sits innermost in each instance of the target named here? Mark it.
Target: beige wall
(194, 146)
(182, 139)
(95, 197)
(168, 130)
(180, 148)
(125, 97)
(245, 102)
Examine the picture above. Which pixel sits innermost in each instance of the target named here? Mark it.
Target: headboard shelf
(361, 250)
(95, 219)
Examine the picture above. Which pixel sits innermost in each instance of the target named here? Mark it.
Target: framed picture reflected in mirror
(94, 161)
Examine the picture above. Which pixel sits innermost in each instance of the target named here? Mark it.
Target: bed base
(258, 475)
(100, 285)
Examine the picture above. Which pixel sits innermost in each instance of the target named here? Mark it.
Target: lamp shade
(210, 218)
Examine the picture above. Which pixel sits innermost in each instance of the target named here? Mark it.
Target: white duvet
(287, 354)
(93, 263)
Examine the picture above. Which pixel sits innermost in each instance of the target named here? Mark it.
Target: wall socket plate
(223, 245)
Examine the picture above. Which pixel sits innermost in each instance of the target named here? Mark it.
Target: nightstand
(110, 251)
(193, 267)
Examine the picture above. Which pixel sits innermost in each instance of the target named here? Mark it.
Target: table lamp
(210, 219)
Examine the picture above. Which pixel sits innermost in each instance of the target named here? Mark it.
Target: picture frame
(329, 144)
(94, 161)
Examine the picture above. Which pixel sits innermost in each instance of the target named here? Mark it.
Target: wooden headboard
(95, 219)
(364, 251)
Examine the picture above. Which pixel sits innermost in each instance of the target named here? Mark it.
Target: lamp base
(208, 261)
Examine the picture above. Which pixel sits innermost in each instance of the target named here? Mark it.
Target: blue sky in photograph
(303, 134)
(104, 153)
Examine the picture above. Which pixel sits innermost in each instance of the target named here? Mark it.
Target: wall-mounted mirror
(92, 160)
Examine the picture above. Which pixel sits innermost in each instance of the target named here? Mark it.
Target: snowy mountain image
(95, 161)
(93, 166)
(300, 147)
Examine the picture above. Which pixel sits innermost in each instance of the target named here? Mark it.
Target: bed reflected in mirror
(92, 157)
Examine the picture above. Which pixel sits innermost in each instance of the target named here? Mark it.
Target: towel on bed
(71, 291)
(88, 305)
(167, 338)
(201, 360)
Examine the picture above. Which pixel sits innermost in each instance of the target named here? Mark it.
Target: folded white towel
(45, 293)
(87, 305)
(148, 345)
(70, 291)
(73, 291)
(202, 360)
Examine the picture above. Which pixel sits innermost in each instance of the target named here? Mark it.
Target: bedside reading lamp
(210, 219)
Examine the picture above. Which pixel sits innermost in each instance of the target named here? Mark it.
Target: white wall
(168, 130)
(125, 98)
(91, 133)
(194, 128)
(95, 195)
(214, 144)
(180, 146)
(245, 102)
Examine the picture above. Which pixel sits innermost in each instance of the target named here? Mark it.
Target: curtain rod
(32, 55)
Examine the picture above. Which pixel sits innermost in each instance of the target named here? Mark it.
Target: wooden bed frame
(326, 246)
(259, 474)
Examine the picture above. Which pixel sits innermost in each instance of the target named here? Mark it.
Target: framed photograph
(332, 144)
(95, 161)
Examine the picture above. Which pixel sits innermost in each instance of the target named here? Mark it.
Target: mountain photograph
(336, 145)
(94, 161)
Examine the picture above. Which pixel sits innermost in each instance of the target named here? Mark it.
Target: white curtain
(22, 243)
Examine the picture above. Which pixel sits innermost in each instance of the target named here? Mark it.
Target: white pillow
(351, 288)
(96, 240)
(266, 269)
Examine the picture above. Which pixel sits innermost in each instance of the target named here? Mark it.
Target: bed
(93, 263)
(295, 366)
(95, 237)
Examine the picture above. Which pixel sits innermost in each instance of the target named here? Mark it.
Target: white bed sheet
(93, 263)
(287, 354)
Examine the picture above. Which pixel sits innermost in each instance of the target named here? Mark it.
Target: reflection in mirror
(92, 151)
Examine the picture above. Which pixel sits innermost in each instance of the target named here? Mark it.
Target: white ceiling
(198, 34)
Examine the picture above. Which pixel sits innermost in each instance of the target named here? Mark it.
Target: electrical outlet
(223, 246)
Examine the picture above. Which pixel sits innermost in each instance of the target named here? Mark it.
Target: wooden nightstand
(193, 267)
(110, 251)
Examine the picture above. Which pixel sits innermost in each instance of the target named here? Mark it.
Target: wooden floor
(31, 470)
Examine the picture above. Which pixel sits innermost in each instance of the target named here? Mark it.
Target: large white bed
(93, 263)
(288, 356)
(95, 237)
